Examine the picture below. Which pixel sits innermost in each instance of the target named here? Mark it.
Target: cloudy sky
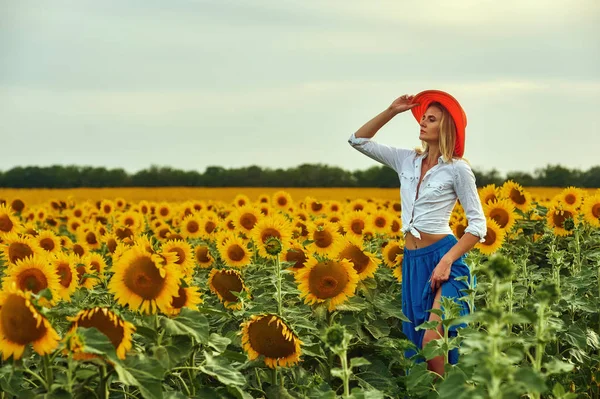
(278, 83)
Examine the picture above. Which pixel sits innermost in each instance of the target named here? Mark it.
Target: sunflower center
(490, 237)
(334, 208)
(90, 238)
(179, 301)
(492, 197)
(327, 279)
(192, 226)
(323, 238)
(297, 256)
(107, 209)
(268, 339)
(32, 280)
(162, 233)
(358, 207)
(517, 197)
(226, 283)
(105, 325)
(95, 265)
(112, 245)
(394, 252)
(357, 226)
(356, 256)
(78, 213)
(18, 251)
(128, 222)
(78, 249)
(6, 224)
(47, 244)
(124, 232)
(18, 205)
(395, 226)
(460, 230)
(64, 273)
(559, 219)
(248, 220)
(397, 207)
(501, 216)
(596, 210)
(380, 222)
(316, 206)
(282, 201)
(235, 253)
(163, 212)
(269, 232)
(180, 254)
(143, 278)
(202, 254)
(334, 219)
(18, 323)
(303, 229)
(230, 225)
(570, 199)
(210, 226)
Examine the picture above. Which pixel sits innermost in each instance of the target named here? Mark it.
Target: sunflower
(21, 324)
(15, 248)
(164, 211)
(245, 218)
(396, 226)
(276, 226)
(145, 281)
(393, 253)
(88, 235)
(327, 281)
(489, 193)
(223, 283)
(143, 207)
(351, 248)
(111, 241)
(397, 272)
(208, 225)
(267, 335)
(591, 210)
(556, 217)
(34, 274)
(80, 248)
(203, 257)
(48, 241)
(381, 222)
(571, 196)
(355, 222)
(494, 237)
(241, 200)
(18, 205)
(133, 220)
(185, 256)
(520, 197)
(107, 207)
(121, 203)
(314, 207)
(357, 204)
(97, 263)
(334, 206)
(83, 267)
(458, 226)
(187, 297)
(282, 200)
(234, 251)
(117, 330)
(502, 211)
(323, 236)
(68, 278)
(295, 255)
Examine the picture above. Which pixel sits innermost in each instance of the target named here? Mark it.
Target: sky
(278, 83)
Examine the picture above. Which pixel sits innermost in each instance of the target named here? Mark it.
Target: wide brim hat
(459, 117)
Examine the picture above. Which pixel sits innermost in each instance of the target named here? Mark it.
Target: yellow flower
(282, 200)
(117, 330)
(393, 253)
(519, 197)
(17, 248)
(381, 222)
(185, 256)
(21, 324)
(489, 193)
(494, 238)
(275, 226)
(48, 241)
(234, 251)
(187, 297)
(241, 200)
(324, 236)
(190, 226)
(223, 283)
(68, 278)
(356, 222)
(296, 255)
(502, 211)
(329, 281)
(203, 257)
(352, 249)
(34, 274)
(571, 197)
(9, 223)
(591, 210)
(268, 336)
(245, 218)
(556, 217)
(144, 281)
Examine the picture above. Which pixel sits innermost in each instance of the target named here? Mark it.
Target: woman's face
(430, 125)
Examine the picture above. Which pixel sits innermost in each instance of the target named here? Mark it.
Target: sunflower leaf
(144, 372)
(218, 342)
(188, 322)
(222, 371)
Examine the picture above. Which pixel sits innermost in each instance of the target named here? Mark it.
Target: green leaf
(218, 342)
(378, 328)
(174, 395)
(337, 372)
(143, 372)
(531, 380)
(358, 361)
(354, 304)
(238, 393)
(558, 390)
(11, 380)
(188, 322)
(222, 371)
(428, 325)
(358, 393)
(277, 392)
(556, 366)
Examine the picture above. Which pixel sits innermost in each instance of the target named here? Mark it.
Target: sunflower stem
(278, 267)
(103, 386)
(36, 375)
(274, 377)
(346, 373)
(48, 372)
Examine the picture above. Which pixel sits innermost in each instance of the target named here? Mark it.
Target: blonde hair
(447, 137)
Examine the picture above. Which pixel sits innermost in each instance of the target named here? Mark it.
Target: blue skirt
(417, 295)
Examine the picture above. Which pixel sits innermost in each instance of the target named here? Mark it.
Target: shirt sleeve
(384, 154)
(466, 190)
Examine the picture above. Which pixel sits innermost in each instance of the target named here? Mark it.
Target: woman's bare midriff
(412, 242)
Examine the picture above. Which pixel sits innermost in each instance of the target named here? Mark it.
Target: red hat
(426, 97)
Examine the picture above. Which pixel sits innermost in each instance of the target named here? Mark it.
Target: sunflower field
(282, 296)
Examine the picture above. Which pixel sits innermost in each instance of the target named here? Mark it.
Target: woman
(432, 178)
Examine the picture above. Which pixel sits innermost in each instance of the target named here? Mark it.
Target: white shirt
(442, 185)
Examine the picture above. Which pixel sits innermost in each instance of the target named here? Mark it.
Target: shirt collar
(440, 159)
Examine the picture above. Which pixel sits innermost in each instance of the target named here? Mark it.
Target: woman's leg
(437, 363)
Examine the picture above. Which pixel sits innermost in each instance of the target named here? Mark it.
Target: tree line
(305, 175)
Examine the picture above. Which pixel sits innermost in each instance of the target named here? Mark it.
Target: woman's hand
(440, 274)
(403, 103)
